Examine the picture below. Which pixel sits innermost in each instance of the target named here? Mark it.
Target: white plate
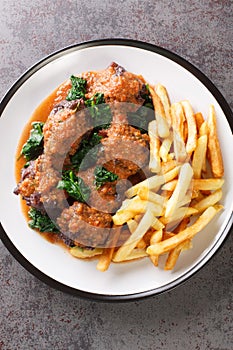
(50, 262)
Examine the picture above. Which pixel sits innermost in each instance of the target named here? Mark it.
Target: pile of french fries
(164, 212)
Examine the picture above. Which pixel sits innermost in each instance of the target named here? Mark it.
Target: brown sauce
(40, 114)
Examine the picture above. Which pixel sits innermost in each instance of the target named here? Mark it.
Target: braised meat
(125, 150)
(86, 226)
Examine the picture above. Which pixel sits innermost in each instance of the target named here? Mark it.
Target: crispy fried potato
(84, 253)
(155, 238)
(106, 257)
(188, 233)
(153, 182)
(155, 162)
(214, 151)
(199, 120)
(163, 95)
(163, 127)
(158, 209)
(192, 128)
(181, 213)
(178, 119)
(208, 201)
(165, 148)
(136, 253)
(145, 194)
(199, 156)
(182, 186)
(197, 184)
(135, 237)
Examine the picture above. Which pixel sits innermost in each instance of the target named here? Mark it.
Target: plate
(51, 263)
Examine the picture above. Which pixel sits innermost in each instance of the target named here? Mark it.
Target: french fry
(163, 95)
(167, 166)
(208, 201)
(199, 156)
(83, 253)
(214, 151)
(197, 184)
(122, 216)
(181, 213)
(175, 252)
(192, 128)
(135, 237)
(163, 127)
(178, 119)
(157, 224)
(136, 253)
(106, 257)
(188, 233)
(174, 255)
(145, 194)
(203, 129)
(179, 148)
(155, 238)
(183, 184)
(165, 148)
(199, 120)
(153, 182)
(155, 162)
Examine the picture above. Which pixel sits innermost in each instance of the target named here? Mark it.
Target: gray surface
(196, 315)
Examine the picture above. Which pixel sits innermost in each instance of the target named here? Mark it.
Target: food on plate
(113, 169)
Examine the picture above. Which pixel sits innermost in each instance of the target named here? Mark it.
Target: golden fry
(155, 238)
(163, 127)
(199, 156)
(214, 151)
(155, 162)
(192, 128)
(208, 201)
(135, 237)
(197, 184)
(163, 95)
(182, 186)
(188, 233)
(199, 120)
(153, 182)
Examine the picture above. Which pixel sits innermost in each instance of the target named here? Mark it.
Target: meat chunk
(105, 199)
(27, 186)
(86, 226)
(116, 84)
(64, 129)
(125, 150)
(47, 179)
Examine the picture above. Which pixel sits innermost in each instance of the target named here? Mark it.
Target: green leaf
(99, 111)
(35, 143)
(74, 186)
(41, 221)
(102, 175)
(78, 88)
(87, 146)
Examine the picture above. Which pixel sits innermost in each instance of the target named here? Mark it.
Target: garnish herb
(101, 116)
(41, 221)
(74, 186)
(78, 88)
(35, 143)
(141, 118)
(99, 111)
(102, 175)
(87, 146)
(148, 99)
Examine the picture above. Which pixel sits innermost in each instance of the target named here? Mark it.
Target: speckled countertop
(196, 315)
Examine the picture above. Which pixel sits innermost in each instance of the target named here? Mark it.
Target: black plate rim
(228, 113)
